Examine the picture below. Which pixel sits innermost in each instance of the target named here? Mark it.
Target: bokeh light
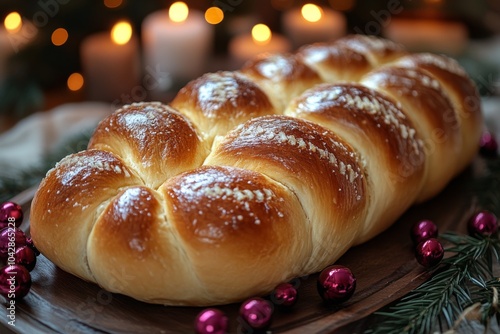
(311, 12)
(75, 82)
(214, 15)
(178, 11)
(59, 36)
(121, 33)
(13, 22)
(261, 33)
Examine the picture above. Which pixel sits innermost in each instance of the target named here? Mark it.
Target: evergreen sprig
(463, 283)
(18, 181)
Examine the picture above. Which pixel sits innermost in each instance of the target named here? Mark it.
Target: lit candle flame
(121, 33)
(13, 22)
(261, 34)
(311, 12)
(178, 12)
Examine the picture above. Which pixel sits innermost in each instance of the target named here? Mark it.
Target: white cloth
(32, 138)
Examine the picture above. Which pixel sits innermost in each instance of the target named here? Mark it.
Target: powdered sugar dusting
(84, 165)
(276, 67)
(363, 43)
(240, 195)
(444, 63)
(321, 146)
(363, 101)
(219, 89)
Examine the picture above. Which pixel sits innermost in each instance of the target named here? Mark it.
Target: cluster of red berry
(17, 253)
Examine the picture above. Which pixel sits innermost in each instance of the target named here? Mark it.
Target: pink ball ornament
(285, 294)
(15, 281)
(10, 211)
(483, 223)
(211, 321)
(423, 230)
(488, 145)
(336, 284)
(9, 236)
(429, 252)
(257, 313)
(25, 256)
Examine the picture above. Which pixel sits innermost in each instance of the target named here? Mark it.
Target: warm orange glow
(59, 36)
(13, 22)
(311, 13)
(75, 82)
(121, 33)
(342, 5)
(282, 4)
(214, 15)
(113, 3)
(261, 34)
(178, 12)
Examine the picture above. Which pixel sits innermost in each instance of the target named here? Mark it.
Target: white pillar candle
(15, 34)
(111, 70)
(177, 44)
(313, 24)
(428, 35)
(246, 46)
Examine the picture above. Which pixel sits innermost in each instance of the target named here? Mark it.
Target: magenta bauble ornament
(429, 252)
(10, 212)
(423, 230)
(257, 313)
(26, 257)
(483, 223)
(211, 321)
(336, 284)
(285, 294)
(488, 145)
(10, 240)
(15, 281)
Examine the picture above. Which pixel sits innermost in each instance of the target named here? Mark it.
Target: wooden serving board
(385, 268)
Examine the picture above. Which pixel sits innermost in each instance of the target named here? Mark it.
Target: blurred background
(87, 58)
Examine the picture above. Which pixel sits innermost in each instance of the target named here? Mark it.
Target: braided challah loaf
(253, 177)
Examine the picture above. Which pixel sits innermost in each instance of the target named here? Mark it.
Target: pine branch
(463, 280)
(24, 179)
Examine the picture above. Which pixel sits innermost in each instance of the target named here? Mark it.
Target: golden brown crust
(239, 223)
(462, 92)
(425, 102)
(69, 200)
(335, 63)
(217, 102)
(378, 51)
(321, 169)
(281, 76)
(219, 196)
(132, 232)
(383, 135)
(153, 138)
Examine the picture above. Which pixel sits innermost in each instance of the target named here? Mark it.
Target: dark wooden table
(385, 268)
